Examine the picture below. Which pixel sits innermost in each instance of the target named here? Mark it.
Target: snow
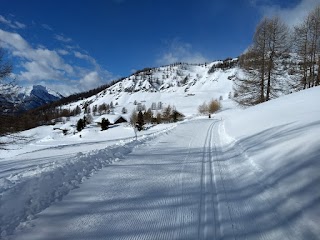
(186, 97)
(280, 141)
(25, 98)
(32, 181)
(244, 174)
(111, 117)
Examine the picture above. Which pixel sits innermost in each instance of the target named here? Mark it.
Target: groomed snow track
(181, 185)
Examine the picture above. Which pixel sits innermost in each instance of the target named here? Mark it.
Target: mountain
(182, 85)
(17, 99)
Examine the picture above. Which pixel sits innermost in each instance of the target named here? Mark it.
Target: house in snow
(113, 119)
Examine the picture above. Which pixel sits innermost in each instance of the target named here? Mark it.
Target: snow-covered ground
(44, 170)
(245, 174)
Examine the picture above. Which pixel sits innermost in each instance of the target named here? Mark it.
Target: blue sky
(78, 45)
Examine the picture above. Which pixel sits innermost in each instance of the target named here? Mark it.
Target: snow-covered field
(245, 174)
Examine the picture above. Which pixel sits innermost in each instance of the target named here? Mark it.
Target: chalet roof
(111, 117)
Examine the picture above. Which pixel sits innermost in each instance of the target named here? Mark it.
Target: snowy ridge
(18, 99)
(185, 86)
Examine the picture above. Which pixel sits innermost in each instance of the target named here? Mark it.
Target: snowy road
(182, 185)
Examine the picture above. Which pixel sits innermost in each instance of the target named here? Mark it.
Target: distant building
(113, 119)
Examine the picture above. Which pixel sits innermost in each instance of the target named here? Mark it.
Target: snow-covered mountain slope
(14, 99)
(185, 86)
(275, 154)
(245, 174)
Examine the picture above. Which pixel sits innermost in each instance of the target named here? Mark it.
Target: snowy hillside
(245, 174)
(15, 98)
(185, 86)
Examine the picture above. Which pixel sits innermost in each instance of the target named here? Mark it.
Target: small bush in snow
(213, 106)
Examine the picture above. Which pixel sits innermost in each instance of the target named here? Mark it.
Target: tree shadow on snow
(272, 201)
(278, 195)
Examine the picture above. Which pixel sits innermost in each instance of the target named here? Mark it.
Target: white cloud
(292, 16)
(12, 24)
(90, 59)
(90, 80)
(85, 57)
(178, 51)
(63, 52)
(13, 40)
(62, 38)
(19, 24)
(38, 64)
(46, 26)
(36, 71)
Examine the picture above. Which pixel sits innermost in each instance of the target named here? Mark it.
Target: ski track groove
(180, 217)
(208, 224)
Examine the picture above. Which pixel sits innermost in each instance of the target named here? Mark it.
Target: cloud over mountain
(65, 67)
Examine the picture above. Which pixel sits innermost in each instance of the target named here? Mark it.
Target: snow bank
(27, 193)
(280, 142)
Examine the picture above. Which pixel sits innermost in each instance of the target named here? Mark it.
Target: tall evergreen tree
(95, 110)
(140, 121)
(80, 125)
(77, 110)
(104, 124)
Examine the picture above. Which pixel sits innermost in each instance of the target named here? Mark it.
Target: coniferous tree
(84, 121)
(95, 110)
(80, 125)
(77, 110)
(175, 115)
(124, 110)
(140, 121)
(104, 124)
(87, 109)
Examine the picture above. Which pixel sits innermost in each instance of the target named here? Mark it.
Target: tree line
(280, 60)
(139, 118)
